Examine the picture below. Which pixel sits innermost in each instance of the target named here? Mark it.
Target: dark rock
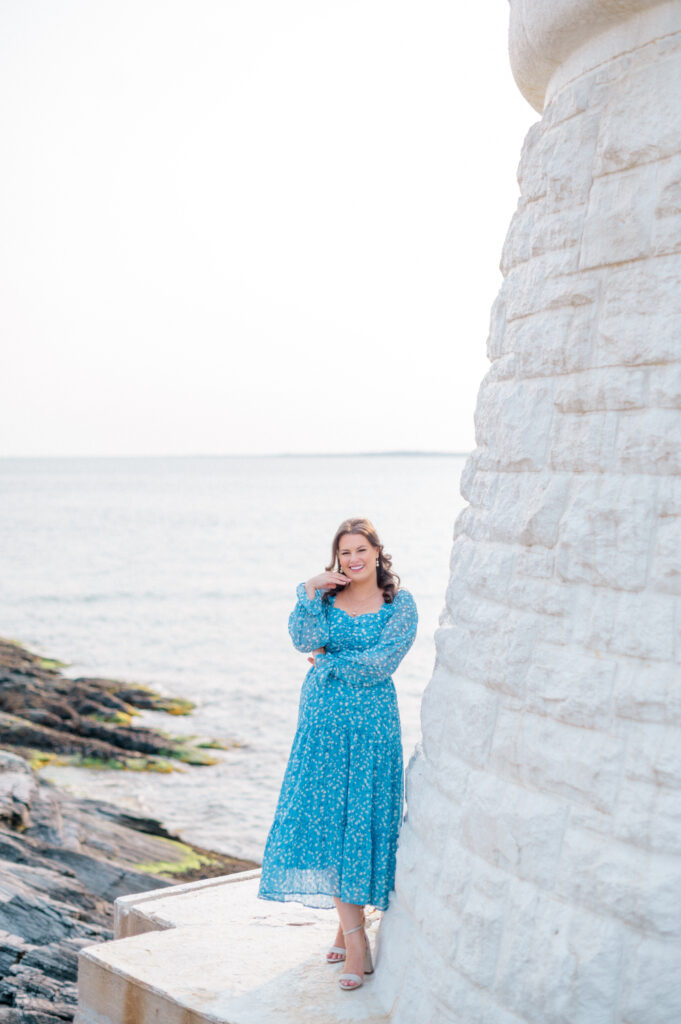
(61, 868)
(40, 709)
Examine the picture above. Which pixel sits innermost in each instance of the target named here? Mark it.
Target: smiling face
(357, 556)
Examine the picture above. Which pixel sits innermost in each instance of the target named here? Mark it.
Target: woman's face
(357, 556)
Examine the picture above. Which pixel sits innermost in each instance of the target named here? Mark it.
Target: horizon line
(255, 455)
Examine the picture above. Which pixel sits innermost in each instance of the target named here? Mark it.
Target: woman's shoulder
(404, 599)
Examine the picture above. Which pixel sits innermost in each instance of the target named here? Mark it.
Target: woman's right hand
(325, 581)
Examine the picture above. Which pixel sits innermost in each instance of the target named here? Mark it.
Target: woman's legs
(351, 915)
(340, 938)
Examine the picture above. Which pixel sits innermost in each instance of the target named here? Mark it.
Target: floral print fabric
(339, 813)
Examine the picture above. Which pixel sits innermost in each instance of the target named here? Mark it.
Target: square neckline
(332, 598)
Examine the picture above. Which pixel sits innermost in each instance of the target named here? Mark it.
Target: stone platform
(211, 951)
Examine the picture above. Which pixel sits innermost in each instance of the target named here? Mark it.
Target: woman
(334, 835)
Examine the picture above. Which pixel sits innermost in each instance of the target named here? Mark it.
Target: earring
(378, 561)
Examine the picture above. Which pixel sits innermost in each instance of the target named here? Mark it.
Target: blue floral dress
(339, 813)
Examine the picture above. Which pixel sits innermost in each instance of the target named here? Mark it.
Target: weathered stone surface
(605, 533)
(639, 316)
(552, 724)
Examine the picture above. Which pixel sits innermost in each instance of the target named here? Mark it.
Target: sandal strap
(353, 929)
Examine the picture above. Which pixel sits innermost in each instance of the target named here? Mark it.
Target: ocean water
(181, 573)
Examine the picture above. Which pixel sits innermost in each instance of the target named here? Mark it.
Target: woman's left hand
(313, 654)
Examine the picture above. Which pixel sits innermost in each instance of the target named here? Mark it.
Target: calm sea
(181, 572)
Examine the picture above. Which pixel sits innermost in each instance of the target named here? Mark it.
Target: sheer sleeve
(307, 624)
(364, 668)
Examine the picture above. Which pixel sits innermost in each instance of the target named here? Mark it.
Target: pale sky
(250, 226)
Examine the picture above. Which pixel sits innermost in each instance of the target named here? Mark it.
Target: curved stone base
(539, 869)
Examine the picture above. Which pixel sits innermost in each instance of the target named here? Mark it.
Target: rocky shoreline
(63, 859)
(45, 716)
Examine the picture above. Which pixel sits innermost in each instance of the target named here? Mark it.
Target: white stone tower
(539, 868)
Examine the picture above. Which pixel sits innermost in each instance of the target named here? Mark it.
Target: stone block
(566, 152)
(584, 442)
(488, 569)
(640, 887)
(542, 597)
(649, 441)
(531, 174)
(416, 1003)
(558, 231)
(640, 314)
(601, 389)
(434, 704)
(516, 248)
(666, 236)
(453, 775)
(573, 99)
(490, 645)
(477, 486)
(548, 282)
(666, 571)
(513, 422)
(503, 368)
(605, 532)
(571, 687)
(513, 829)
(535, 562)
(669, 496)
(665, 384)
(622, 622)
(653, 753)
(466, 1002)
(558, 964)
(422, 799)
(668, 200)
(651, 989)
(507, 515)
(642, 122)
(482, 924)
(545, 503)
(537, 230)
(497, 328)
(554, 757)
(552, 343)
(619, 220)
(456, 872)
(648, 816)
(469, 715)
(648, 691)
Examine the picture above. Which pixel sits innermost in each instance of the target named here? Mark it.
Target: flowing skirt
(337, 822)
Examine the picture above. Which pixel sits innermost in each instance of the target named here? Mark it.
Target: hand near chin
(313, 654)
(327, 581)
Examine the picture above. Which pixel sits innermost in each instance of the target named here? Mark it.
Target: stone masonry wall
(539, 867)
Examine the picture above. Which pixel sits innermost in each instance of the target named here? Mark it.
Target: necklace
(357, 610)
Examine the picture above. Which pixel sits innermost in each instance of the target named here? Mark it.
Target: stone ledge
(542, 36)
(212, 952)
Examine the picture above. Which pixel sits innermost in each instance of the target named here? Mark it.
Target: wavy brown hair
(387, 580)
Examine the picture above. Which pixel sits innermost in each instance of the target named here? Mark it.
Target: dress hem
(306, 899)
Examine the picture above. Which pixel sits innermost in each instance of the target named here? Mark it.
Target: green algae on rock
(63, 861)
(45, 716)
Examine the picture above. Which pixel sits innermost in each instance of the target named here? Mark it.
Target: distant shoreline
(255, 455)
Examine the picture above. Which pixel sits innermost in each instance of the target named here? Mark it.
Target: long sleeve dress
(339, 813)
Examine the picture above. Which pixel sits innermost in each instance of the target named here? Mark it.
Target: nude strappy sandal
(339, 958)
(339, 951)
(368, 965)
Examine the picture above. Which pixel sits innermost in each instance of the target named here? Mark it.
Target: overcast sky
(235, 226)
